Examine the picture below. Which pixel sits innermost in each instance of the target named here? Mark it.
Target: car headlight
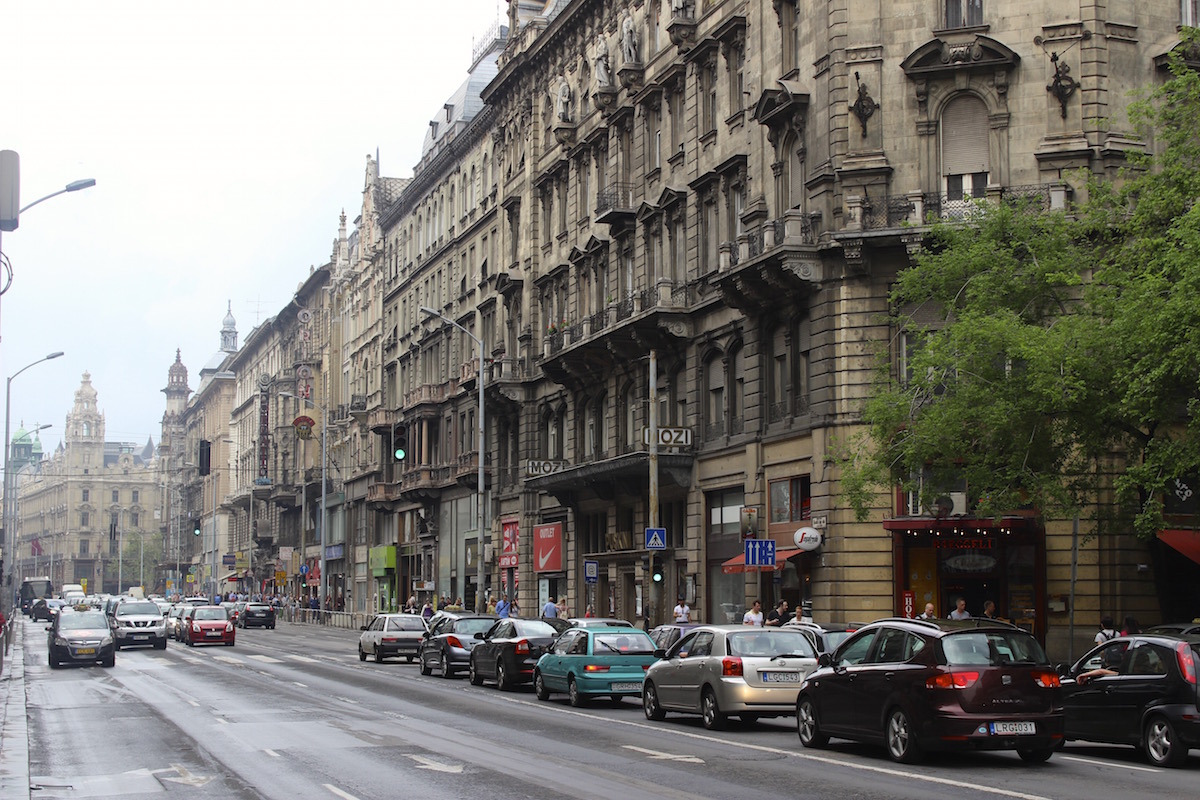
(228, 626)
(106, 641)
(60, 641)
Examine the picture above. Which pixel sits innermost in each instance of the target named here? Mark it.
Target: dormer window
(433, 126)
(964, 13)
(449, 111)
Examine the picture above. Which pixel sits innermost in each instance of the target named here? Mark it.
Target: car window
(532, 627)
(992, 648)
(578, 645)
(854, 651)
(630, 643)
(702, 645)
(501, 630)
(82, 620)
(210, 614)
(469, 627)
(893, 647)
(129, 609)
(404, 624)
(683, 647)
(1148, 659)
(764, 644)
(562, 645)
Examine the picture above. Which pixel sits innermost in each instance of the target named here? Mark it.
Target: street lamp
(324, 471)
(73, 186)
(9, 483)
(479, 487)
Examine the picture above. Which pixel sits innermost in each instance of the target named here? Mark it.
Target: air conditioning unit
(953, 504)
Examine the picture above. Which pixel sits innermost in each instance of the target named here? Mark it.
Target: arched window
(629, 427)
(714, 397)
(471, 201)
(965, 160)
(737, 391)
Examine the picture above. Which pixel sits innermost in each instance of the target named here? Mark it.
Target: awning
(233, 576)
(1185, 541)
(738, 562)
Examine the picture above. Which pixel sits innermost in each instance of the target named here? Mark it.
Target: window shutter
(965, 137)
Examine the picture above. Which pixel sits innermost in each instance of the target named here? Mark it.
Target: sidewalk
(14, 731)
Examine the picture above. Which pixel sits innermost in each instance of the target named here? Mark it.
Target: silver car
(392, 635)
(137, 622)
(718, 671)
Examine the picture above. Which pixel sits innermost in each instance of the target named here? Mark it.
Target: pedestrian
(427, 610)
(989, 609)
(683, 612)
(491, 605)
(1107, 630)
(960, 609)
(514, 608)
(562, 607)
(754, 616)
(502, 607)
(930, 612)
(779, 615)
(1131, 627)
(589, 612)
(550, 610)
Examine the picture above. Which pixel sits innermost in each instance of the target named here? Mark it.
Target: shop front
(940, 560)
(382, 563)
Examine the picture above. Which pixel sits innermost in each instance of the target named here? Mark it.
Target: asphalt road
(292, 713)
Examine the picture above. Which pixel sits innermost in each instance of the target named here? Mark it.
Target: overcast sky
(225, 139)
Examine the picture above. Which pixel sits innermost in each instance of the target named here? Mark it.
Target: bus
(32, 589)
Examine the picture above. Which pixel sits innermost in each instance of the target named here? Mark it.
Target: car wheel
(52, 661)
(578, 698)
(502, 682)
(1161, 743)
(475, 677)
(901, 738)
(362, 654)
(425, 668)
(229, 644)
(807, 726)
(378, 656)
(650, 705)
(1035, 755)
(539, 687)
(447, 672)
(161, 645)
(714, 719)
(111, 661)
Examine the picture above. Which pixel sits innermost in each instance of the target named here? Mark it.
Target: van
(73, 593)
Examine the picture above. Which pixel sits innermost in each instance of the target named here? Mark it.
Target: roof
(462, 106)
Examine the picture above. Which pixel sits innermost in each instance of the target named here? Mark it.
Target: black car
(80, 637)
(826, 636)
(45, 608)
(256, 615)
(508, 651)
(1139, 690)
(450, 640)
(915, 685)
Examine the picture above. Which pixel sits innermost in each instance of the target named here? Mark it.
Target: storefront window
(726, 593)
(791, 499)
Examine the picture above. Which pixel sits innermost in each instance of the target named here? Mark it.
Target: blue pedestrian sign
(656, 538)
(591, 571)
(760, 552)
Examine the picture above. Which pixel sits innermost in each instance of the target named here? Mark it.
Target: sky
(225, 138)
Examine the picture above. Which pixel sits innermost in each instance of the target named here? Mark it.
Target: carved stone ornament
(1063, 85)
(682, 31)
(864, 106)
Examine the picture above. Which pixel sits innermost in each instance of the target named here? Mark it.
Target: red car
(206, 625)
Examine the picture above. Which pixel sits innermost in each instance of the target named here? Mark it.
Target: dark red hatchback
(916, 685)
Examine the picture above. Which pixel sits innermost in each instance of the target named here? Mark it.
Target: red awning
(1185, 541)
(738, 562)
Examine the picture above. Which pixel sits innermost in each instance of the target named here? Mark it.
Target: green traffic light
(400, 453)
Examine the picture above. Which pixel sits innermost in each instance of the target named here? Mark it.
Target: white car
(392, 635)
(139, 622)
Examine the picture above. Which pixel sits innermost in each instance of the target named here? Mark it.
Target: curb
(14, 728)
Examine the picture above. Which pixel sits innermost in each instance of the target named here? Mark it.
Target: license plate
(1013, 728)
(213, 633)
(140, 638)
(626, 687)
(780, 677)
(85, 651)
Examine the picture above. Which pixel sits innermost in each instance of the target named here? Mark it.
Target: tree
(140, 558)
(1066, 355)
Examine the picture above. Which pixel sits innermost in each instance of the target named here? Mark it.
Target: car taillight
(389, 640)
(452, 641)
(1187, 662)
(731, 667)
(595, 668)
(645, 667)
(522, 647)
(1047, 679)
(951, 680)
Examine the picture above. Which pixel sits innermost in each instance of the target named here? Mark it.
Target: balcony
(381, 420)
(468, 372)
(424, 482)
(358, 407)
(427, 394)
(466, 470)
(773, 265)
(614, 204)
(383, 494)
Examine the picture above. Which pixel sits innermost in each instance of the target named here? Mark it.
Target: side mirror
(363, 628)
(660, 652)
(49, 628)
(479, 635)
(824, 660)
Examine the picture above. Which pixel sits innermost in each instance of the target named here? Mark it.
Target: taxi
(81, 635)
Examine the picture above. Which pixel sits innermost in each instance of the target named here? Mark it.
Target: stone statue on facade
(683, 8)
(603, 68)
(562, 101)
(629, 40)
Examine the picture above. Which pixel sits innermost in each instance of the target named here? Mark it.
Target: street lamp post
(324, 479)
(10, 484)
(479, 486)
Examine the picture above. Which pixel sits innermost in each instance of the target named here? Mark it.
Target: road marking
(271, 753)
(229, 660)
(1097, 762)
(267, 659)
(339, 792)
(222, 721)
(301, 685)
(348, 700)
(437, 766)
(657, 756)
(828, 760)
(305, 659)
(193, 703)
(186, 777)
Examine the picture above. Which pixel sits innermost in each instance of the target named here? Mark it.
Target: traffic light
(195, 527)
(205, 460)
(655, 570)
(400, 441)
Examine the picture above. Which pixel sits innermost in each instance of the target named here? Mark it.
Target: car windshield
(82, 620)
(534, 627)
(405, 624)
(992, 648)
(761, 644)
(631, 643)
(473, 626)
(258, 607)
(210, 614)
(129, 609)
(834, 638)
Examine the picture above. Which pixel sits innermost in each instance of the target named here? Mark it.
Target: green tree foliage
(140, 557)
(1065, 360)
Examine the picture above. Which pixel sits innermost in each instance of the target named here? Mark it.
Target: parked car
(561, 624)
(233, 609)
(508, 651)
(718, 671)
(1149, 701)
(256, 615)
(174, 616)
(392, 635)
(587, 662)
(207, 625)
(825, 636)
(665, 636)
(45, 608)
(915, 685)
(450, 640)
(1177, 628)
(138, 622)
(80, 636)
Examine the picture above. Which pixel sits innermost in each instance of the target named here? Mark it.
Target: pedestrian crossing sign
(656, 538)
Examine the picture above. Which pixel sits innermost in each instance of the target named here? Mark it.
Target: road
(292, 713)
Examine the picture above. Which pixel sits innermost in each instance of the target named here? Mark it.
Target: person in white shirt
(682, 611)
(1107, 630)
(754, 616)
(960, 611)
(930, 613)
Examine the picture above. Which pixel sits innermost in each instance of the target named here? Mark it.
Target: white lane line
(1097, 762)
(348, 700)
(339, 792)
(222, 721)
(655, 755)
(305, 659)
(436, 766)
(271, 753)
(897, 773)
(193, 703)
(228, 660)
(301, 685)
(266, 659)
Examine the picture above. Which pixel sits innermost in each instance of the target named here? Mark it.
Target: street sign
(760, 552)
(591, 571)
(191, 578)
(304, 569)
(670, 437)
(821, 522)
(229, 559)
(656, 538)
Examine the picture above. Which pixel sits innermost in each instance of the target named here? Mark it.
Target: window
(791, 499)
(965, 159)
(964, 13)
(116, 495)
(708, 97)
(84, 546)
(86, 495)
(857, 650)
(715, 397)
(737, 393)
(737, 78)
(133, 519)
(83, 519)
(678, 123)
(709, 252)
(1190, 13)
(629, 419)
(136, 496)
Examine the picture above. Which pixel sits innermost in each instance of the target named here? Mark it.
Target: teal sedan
(586, 662)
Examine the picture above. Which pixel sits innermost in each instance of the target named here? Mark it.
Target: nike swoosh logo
(544, 558)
